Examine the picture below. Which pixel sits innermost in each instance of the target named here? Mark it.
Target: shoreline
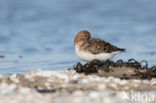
(60, 85)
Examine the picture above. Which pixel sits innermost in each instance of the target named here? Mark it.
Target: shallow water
(39, 34)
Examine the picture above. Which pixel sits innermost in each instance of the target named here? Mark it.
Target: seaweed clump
(141, 69)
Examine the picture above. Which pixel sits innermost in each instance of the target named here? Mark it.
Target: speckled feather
(88, 48)
(95, 46)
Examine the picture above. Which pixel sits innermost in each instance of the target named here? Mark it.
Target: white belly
(87, 56)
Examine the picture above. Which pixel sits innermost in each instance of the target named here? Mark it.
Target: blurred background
(39, 34)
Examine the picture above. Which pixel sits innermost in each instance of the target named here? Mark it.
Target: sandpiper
(88, 48)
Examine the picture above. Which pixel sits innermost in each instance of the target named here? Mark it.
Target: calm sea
(39, 34)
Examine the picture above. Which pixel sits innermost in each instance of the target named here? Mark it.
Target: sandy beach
(70, 87)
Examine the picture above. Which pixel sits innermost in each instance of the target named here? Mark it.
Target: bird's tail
(122, 50)
(119, 51)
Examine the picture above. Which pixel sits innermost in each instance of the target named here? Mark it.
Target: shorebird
(88, 48)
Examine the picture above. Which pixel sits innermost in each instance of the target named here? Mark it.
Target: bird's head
(82, 36)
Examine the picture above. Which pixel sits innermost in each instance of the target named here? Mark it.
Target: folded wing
(96, 46)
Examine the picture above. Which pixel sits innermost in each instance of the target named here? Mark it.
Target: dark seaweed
(107, 66)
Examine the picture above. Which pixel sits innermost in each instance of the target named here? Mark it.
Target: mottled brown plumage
(94, 45)
(97, 46)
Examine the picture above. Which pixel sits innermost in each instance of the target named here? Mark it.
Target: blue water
(39, 34)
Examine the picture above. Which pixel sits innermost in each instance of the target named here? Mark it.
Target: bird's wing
(96, 46)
